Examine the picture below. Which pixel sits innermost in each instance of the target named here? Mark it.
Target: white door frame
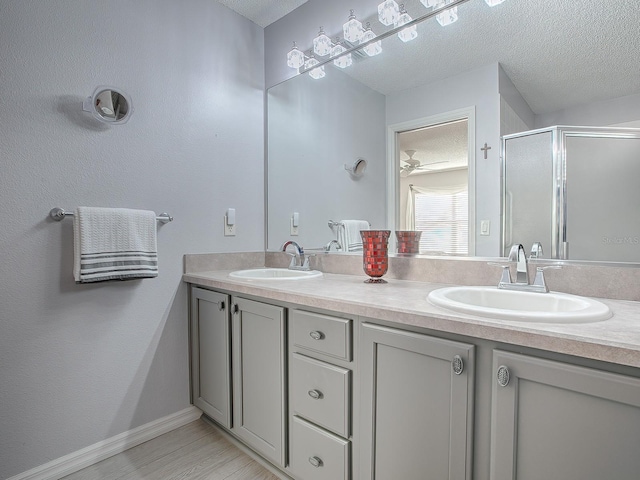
(393, 172)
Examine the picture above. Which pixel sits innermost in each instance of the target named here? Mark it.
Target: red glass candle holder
(408, 241)
(375, 257)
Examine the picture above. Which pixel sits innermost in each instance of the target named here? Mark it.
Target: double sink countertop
(404, 302)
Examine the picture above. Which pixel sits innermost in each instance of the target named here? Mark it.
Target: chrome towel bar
(59, 214)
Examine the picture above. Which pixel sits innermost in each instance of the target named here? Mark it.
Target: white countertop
(616, 340)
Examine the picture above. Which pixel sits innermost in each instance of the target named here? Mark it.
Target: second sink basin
(274, 274)
(492, 302)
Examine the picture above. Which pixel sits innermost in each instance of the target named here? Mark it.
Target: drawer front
(322, 333)
(318, 455)
(321, 393)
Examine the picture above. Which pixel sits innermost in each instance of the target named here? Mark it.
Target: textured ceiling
(262, 12)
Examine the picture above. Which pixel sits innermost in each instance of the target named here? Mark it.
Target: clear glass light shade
(295, 58)
(493, 3)
(373, 49)
(316, 73)
(409, 33)
(322, 44)
(431, 3)
(344, 61)
(388, 12)
(352, 30)
(448, 16)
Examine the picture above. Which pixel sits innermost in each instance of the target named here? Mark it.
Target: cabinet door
(552, 420)
(416, 407)
(258, 377)
(211, 354)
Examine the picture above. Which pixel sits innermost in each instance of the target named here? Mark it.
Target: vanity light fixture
(352, 29)
(344, 61)
(322, 44)
(373, 48)
(310, 62)
(448, 16)
(391, 15)
(409, 33)
(388, 12)
(295, 58)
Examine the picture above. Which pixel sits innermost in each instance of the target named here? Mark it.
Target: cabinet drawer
(320, 392)
(321, 333)
(318, 455)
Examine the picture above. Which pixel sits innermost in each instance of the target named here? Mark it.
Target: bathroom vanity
(331, 378)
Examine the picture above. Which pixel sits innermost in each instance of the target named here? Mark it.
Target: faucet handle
(505, 278)
(539, 281)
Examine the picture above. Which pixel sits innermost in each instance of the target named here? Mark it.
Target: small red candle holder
(408, 241)
(375, 257)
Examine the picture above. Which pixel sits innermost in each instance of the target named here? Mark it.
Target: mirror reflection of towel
(349, 234)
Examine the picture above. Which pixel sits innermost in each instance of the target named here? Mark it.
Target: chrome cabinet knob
(221, 306)
(503, 376)
(316, 335)
(316, 461)
(457, 365)
(315, 394)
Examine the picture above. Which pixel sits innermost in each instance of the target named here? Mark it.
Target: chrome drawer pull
(315, 394)
(316, 335)
(316, 461)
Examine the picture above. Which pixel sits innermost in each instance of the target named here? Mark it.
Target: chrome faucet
(517, 256)
(299, 261)
(327, 247)
(536, 250)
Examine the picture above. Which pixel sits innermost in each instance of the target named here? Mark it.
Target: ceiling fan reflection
(414, 165)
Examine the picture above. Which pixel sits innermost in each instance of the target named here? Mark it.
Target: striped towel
(114, 244)
(349, 234)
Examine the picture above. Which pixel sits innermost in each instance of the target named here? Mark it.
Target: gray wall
(81, 363)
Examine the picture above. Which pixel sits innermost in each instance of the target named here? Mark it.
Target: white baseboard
(80, 459)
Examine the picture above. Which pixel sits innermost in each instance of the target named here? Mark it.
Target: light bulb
(316, 73)
(352, 29)
(448, 16)
(493, 3)
(388, 12)
(376, 47)
(409, 33)
(322, 44)
(344, 61)
(295, 58)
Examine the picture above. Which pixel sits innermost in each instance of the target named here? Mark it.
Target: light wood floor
(196, 451)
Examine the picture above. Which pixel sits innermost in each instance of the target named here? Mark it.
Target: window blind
(444, 219)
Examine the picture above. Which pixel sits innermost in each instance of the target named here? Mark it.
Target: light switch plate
(485, 228)
(294, 230)
(229, 230)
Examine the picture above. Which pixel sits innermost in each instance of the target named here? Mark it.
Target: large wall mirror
(520, 66)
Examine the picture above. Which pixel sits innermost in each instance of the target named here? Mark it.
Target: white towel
(114, 244)
(349, 234)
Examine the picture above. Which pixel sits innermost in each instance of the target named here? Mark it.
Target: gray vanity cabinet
(552, 420)
(259, 377)
(416, 413)
(238, 351)
(211, 354)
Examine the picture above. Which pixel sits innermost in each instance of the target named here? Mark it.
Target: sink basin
(274, 274)
(492, 302)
